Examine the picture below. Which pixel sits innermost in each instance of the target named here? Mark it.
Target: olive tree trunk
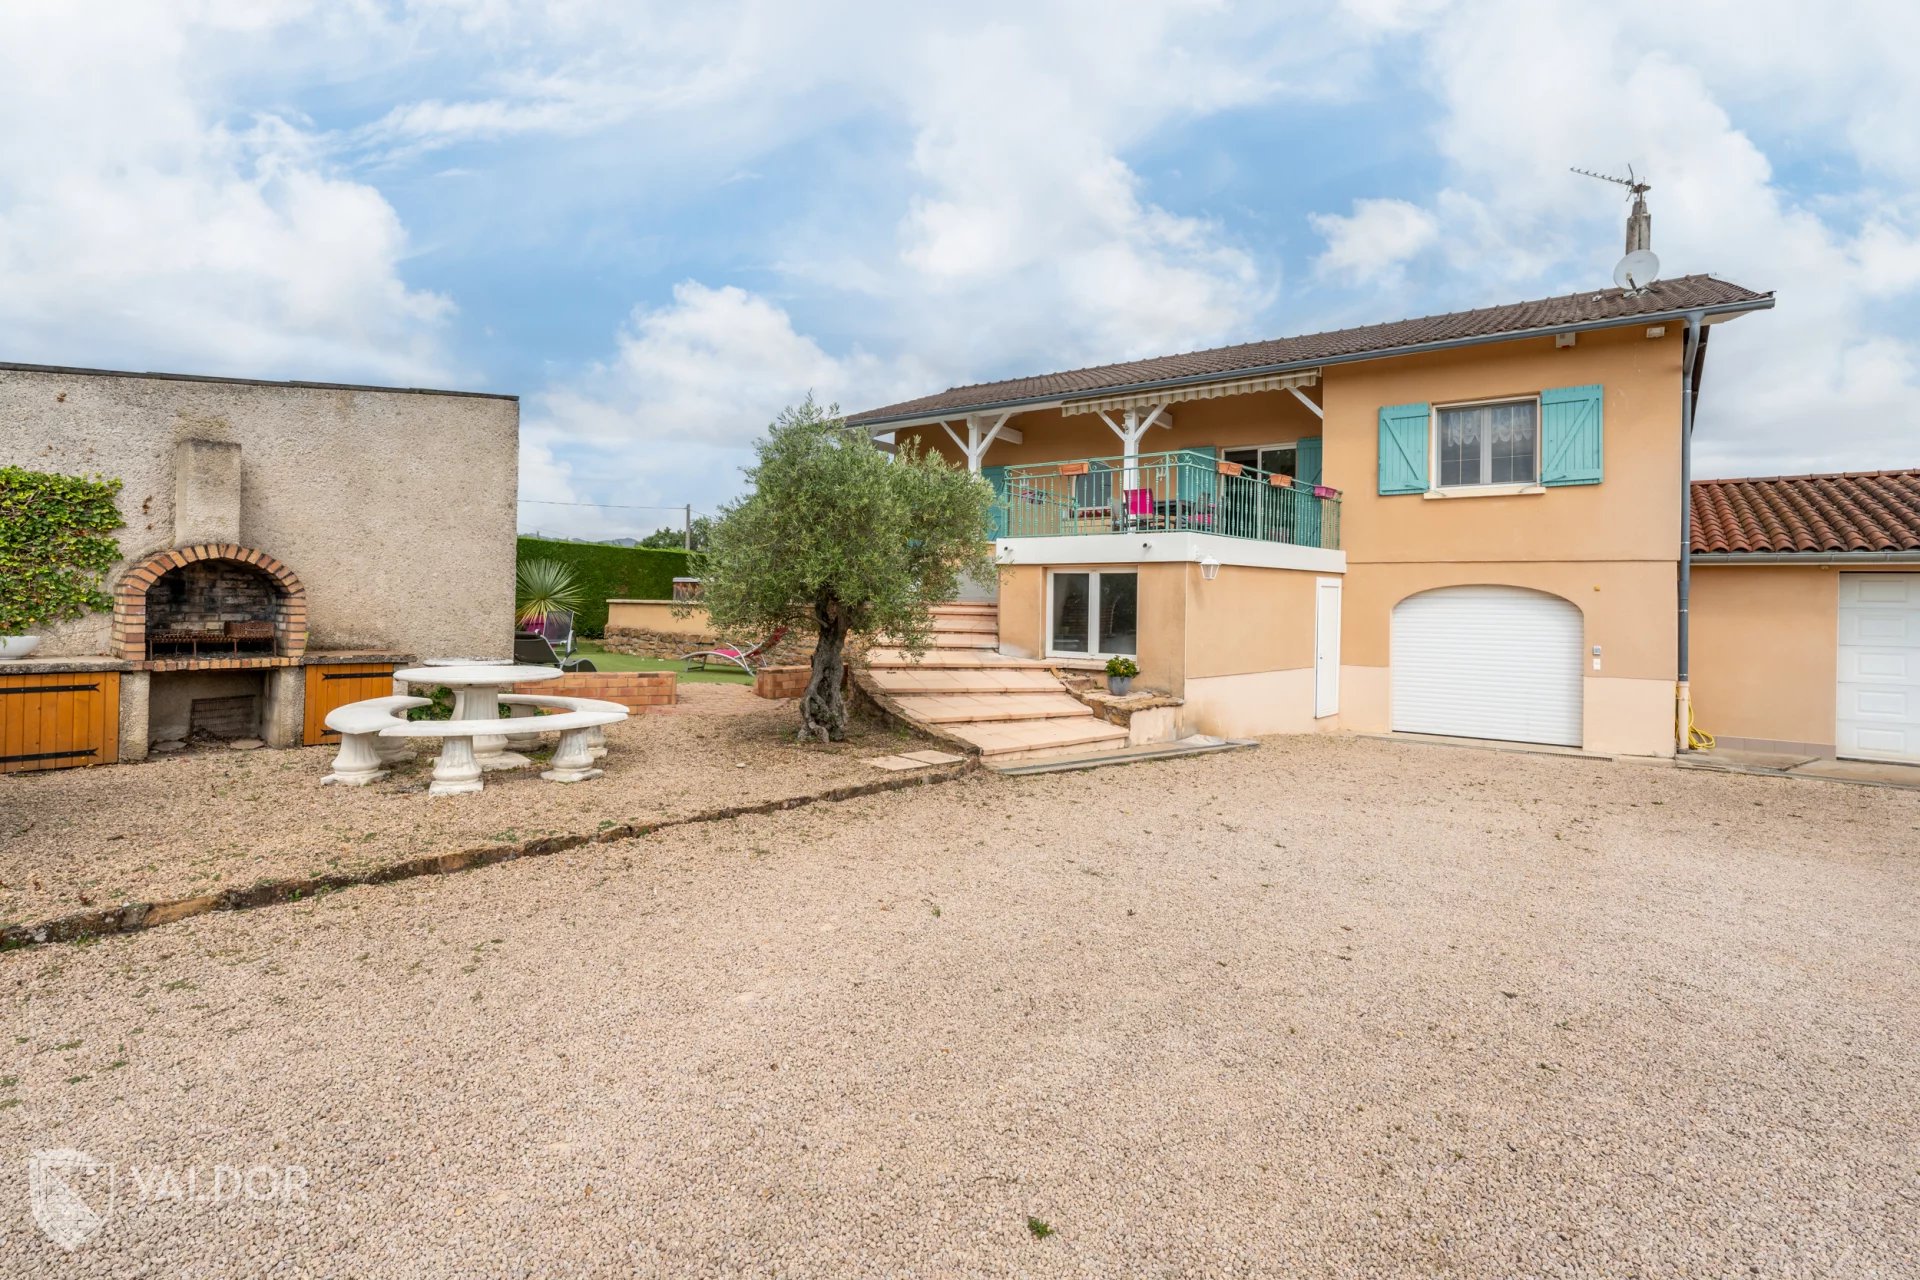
(823, 711)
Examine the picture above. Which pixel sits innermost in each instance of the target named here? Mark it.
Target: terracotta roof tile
(1854, 511)
(1602, 305)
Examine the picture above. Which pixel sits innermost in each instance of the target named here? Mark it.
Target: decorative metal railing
(1180, 491)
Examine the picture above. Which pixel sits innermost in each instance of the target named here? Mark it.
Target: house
(286, 545)
(1806, 614)
(1467, 524)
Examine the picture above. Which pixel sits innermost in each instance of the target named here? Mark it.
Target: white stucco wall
(395, 508)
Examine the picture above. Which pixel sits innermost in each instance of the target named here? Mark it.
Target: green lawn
(604, 661)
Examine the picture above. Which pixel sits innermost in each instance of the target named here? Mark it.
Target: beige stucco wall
(1221, 645)
(1610, 548)
(1633, 514)
(1248, 620)
(394, 508)
(658, 615)
(1764, 651)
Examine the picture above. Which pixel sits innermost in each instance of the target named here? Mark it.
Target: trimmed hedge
(611, 573)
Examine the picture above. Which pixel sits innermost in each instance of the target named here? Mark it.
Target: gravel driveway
(218, 819)
(1334, 1007)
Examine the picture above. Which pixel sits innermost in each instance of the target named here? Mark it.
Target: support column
(284, 723)
(135, 689)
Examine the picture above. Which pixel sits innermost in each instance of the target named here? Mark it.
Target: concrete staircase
(1012, 710)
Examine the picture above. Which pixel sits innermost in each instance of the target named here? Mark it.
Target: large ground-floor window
(1093, 612)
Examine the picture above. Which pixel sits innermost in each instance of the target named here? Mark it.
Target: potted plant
(56, 545)
(1120, 674)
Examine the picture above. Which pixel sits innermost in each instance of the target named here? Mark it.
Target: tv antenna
(1640, 267)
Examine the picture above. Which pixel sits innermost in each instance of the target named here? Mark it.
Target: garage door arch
(1489, 661)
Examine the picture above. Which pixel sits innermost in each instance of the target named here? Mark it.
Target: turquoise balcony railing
(1182, 491)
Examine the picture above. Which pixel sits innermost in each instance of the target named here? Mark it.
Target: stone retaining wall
(665, 644)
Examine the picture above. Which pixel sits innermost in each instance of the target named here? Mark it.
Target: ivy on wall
(56, 546)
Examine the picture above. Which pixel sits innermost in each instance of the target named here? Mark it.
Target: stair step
(965, 640)
(967, 606)
(991, 708)
(967, 643)
(986, 659)
(966, 622)
(1023, 739)
(902, 680)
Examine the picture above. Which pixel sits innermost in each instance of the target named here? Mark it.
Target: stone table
(476, 696)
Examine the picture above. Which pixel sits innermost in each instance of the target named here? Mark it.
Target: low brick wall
(789, 682)
(781, 682)
(635, 690)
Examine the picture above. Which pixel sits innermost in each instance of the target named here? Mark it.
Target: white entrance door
(1488, 662)
(1879, 693)
(1326, 647)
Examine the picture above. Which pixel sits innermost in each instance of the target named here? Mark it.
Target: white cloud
(140, 227)
(1019, 233)
(671, 416)
(1524, 90)
(1375, 241)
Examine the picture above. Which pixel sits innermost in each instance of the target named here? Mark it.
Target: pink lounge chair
(745, 659)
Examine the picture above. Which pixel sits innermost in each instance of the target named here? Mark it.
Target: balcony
(1183, 491)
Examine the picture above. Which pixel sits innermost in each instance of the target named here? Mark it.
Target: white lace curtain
(1502, 423)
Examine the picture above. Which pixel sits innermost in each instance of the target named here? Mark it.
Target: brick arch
(130, 595)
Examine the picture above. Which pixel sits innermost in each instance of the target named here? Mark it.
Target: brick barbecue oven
(287, 547)
(216, 605)
(218, 627)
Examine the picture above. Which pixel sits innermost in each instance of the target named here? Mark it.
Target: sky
(660, 223)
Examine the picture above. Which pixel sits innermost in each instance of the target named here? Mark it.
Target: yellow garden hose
(1698, 739)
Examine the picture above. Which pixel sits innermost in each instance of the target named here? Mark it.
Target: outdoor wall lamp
(1209, 568)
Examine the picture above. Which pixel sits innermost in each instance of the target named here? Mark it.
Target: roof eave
(897, 421)
(1804, 557)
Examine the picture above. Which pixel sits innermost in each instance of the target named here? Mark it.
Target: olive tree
(843, 539)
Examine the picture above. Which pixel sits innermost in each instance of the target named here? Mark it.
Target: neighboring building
(1806, 613)
(1468, 524)
(286, 544)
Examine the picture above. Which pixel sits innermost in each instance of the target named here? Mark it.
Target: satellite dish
(1637, 270)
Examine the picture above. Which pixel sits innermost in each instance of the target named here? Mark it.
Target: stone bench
(596, 736)
(362, 750)
(457, 772)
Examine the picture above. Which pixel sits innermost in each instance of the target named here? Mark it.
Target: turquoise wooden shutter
(1303, 506)
(1570, 436)
(997, 516)
(1306, 460)
(1403, 448)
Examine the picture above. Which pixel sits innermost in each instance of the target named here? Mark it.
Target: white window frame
(1095, 649)
(1436, 489)
(1256, 448)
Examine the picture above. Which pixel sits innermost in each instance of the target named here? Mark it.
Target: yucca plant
(543, 587)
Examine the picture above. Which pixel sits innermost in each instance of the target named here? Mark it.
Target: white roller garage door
(1488, 662)
(1879, 694)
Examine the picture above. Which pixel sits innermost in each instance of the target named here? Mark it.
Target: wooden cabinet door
(59, 721)
(337, 684)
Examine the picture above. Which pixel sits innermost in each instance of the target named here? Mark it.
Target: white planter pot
(12, 647)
